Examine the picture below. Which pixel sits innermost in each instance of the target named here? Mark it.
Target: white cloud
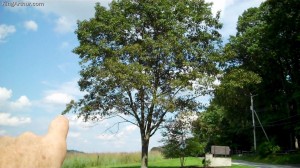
(6, 104)
(7, 120)
(72, 134)
(69, 8)
(31, 25)
(6, 30)
(220, 5)
(67, 12)
(65, 25)
(130, 128)
(107, 137)
(5, 94)
(58, 98)
(55, 99)
(71, 88)
(79, 123)
(226, 6)
(231, 12)
(64, 45)
(57, 95)
(22, 102)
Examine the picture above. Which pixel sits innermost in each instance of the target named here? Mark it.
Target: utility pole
(253, 121)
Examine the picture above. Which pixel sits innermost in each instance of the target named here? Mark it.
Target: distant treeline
(73, 151)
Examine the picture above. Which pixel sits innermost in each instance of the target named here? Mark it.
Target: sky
(39, 72)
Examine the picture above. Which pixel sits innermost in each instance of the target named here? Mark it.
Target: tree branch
(134, 109)
(128, 120)
(118, 123)
(156, 126)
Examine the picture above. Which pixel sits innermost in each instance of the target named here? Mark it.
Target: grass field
(80, 160)
(127, 160)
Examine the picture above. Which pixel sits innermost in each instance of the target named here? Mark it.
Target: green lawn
(166, 163)
(173, 163)
(241, 166)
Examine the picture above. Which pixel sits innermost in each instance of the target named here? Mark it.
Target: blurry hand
(32, 151)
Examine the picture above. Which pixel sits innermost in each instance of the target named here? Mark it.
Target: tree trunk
(145, 145)
(181, 161)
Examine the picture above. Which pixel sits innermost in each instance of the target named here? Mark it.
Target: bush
(267, 148)
(206, 163)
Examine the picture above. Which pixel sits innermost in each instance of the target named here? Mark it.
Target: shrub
(206, 163)
(267, 148)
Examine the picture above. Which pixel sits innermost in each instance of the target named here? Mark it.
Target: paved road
(262, 165)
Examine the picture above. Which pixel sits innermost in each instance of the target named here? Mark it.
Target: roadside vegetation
(281, 159)
(270, 153)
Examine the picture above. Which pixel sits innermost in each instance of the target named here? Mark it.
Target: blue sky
(39, 72)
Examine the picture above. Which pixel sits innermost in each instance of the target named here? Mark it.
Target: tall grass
(79, 160)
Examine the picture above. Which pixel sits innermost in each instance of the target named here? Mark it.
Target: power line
(280, 124)
(284, 118)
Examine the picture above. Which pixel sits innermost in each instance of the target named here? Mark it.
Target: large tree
(143, 59)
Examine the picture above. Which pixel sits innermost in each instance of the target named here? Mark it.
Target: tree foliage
(178, 140)
(208, 127)
(214, 126)
(138, 58)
